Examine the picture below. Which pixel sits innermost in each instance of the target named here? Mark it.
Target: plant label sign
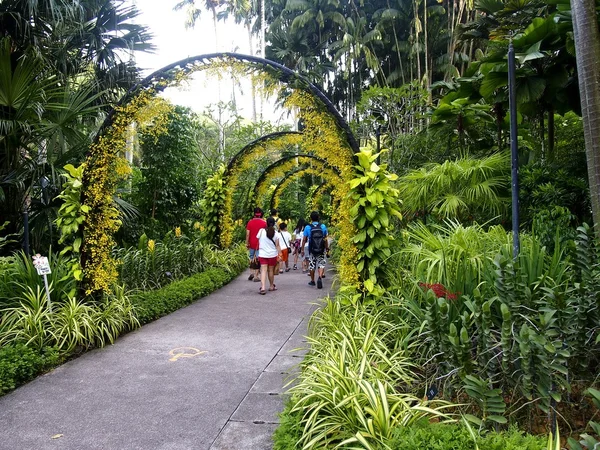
(41, 265)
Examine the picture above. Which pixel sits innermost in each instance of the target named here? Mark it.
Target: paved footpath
(209, 376)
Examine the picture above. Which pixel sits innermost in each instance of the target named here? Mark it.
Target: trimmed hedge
(20, 364)
(152, 305)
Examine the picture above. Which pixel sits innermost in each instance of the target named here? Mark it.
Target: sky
(174, 42)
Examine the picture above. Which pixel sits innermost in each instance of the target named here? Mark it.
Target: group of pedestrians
(271, 246)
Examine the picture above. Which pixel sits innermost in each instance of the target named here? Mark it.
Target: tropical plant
(154, 263)
(71, 325)
(351, 389)
(464, 190)
(526, 326)
(375, 208)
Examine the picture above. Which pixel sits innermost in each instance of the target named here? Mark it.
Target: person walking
(269, 252)
(274, 215)
(286, 239)
(297, 240)
(315, 234)
(252, 227)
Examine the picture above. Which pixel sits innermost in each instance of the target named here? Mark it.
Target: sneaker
(295, 267)
(280, 270)
(319, 283)
(311, 283)
(287, 269)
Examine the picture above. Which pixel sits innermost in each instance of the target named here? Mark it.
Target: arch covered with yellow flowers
(325, 134)
(283, 167)
(290, 176)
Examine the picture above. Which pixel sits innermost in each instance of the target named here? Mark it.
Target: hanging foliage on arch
(269, 146)
(297, 173)
(281, 168)
(325, 134)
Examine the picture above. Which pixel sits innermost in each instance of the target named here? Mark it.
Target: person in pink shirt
(252, 228)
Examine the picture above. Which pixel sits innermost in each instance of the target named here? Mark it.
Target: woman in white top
(285, 243)
(269, 251)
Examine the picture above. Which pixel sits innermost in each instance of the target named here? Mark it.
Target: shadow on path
(209, 376)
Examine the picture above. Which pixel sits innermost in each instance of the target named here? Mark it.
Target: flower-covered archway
(325, 134)
(282, 168)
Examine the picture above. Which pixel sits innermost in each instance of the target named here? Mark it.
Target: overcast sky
(174, 42)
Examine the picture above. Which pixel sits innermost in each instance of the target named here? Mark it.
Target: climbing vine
(213, 202)
(71, 216)
(375, 207)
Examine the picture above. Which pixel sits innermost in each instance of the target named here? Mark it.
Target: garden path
(138, 394)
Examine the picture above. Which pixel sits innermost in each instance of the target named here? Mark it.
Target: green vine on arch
(376, 205)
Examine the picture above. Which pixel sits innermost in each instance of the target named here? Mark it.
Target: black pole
(26, 232)
(514, 148)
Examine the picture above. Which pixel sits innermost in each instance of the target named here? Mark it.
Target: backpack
(316, 242)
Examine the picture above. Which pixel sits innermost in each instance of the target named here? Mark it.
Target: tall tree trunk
(587, 48)
(416, 43)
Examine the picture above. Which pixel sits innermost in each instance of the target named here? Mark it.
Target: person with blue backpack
(315, 234)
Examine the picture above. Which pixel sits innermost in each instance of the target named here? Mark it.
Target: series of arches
(325, 146)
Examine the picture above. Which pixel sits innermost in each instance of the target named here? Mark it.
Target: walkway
(138, 394)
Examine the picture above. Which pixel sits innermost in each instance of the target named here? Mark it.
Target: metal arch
(254, 143)
(293, 173)
(284, 74)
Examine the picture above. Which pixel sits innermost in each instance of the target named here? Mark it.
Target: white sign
(41, 264)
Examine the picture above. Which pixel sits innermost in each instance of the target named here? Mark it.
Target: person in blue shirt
(315, 234)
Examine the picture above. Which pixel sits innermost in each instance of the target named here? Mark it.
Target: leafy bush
(18, 274)
(438, 436)
(20, 364)
(152, 305)
(352, 386)
(72, 324)
(155, 264)
(521, 331)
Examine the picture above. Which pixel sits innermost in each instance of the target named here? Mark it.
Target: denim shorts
(253, 251)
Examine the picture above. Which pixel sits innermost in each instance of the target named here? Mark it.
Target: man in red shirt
(252, 228)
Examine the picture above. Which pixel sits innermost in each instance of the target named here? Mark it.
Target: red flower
(440, 291)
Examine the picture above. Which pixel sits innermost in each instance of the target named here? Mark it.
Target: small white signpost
(42, 266)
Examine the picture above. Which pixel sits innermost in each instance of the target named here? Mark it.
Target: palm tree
(457, 190)
(587, 45)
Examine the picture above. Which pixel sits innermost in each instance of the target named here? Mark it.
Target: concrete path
(209, 376)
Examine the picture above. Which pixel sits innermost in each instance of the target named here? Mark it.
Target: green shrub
(155, 264)
(70, 325)
(438, 436)
(20, 364)
(289, 432)
(152, 305)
